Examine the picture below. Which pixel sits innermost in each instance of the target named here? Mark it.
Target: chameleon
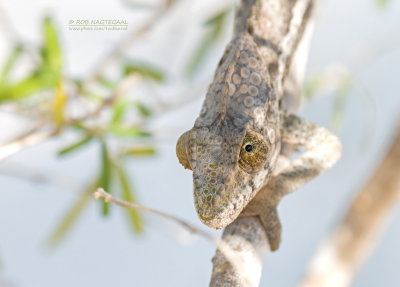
(236, 142)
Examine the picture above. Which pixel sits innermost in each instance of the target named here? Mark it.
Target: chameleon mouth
(216, 214)
(218, 220)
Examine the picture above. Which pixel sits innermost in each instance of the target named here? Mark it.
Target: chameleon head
(228, 170)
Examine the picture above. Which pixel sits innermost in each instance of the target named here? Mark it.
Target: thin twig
(123, 87)
(223, 247)
(101, 193)
(35, 135)
(29, 140)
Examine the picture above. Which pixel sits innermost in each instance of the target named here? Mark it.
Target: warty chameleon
(235, 143)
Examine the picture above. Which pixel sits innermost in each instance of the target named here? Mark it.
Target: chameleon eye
(248, 148)
(253, 153)
(182, 146)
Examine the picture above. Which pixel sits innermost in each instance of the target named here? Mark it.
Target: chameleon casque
(235, 143)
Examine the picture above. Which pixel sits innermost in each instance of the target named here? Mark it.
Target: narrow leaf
(106, 83)
(105, 176)
(339, 104)
(75, 146)
(51, 48)
(140, 151)
(127, 131)
(215, 27)
(145, 70)
(128, 195)
(71, 216)
(118, 112)
(16, 52)
(311, 85)
(59, 102)
(23, 88)
(382, 3)
(218, 19)
(144, 111)
(199, 54)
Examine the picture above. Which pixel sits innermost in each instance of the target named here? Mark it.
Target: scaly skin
(240, 109)
(235, 142)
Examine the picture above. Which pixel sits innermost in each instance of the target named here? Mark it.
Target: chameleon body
(235, 140)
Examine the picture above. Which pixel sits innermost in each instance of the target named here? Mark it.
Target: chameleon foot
(272, 226)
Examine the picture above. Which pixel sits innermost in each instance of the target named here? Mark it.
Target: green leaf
(339, 104)
(105, 176)
(216, 25)
(145, 70)
(144, 111)
(118, 111)
(218, 20)
(120, 108)
(46, 75)
(75, 146)
(128, 195)
(12, 59)
(382, 3)
(25, 87)
(51, 48)
(72, 215)
(79, 126)
(311, 85)
(127, 131)
(106, 83)
(199, 54)
(140, 151)
(59, 102)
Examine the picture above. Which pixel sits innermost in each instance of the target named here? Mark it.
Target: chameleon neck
(277, 27)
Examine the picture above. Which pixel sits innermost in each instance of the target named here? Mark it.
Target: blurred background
(105, 107)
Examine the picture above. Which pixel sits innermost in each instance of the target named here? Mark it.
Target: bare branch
(26, 141)
(349, 246)
(246, 237)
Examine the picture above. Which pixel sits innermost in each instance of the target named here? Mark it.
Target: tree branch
(350, 244)
(25, 141)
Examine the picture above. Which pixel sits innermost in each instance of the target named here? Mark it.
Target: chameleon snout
(212, 201)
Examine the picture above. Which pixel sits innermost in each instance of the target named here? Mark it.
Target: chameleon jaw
(219, 221)
(216, 214)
